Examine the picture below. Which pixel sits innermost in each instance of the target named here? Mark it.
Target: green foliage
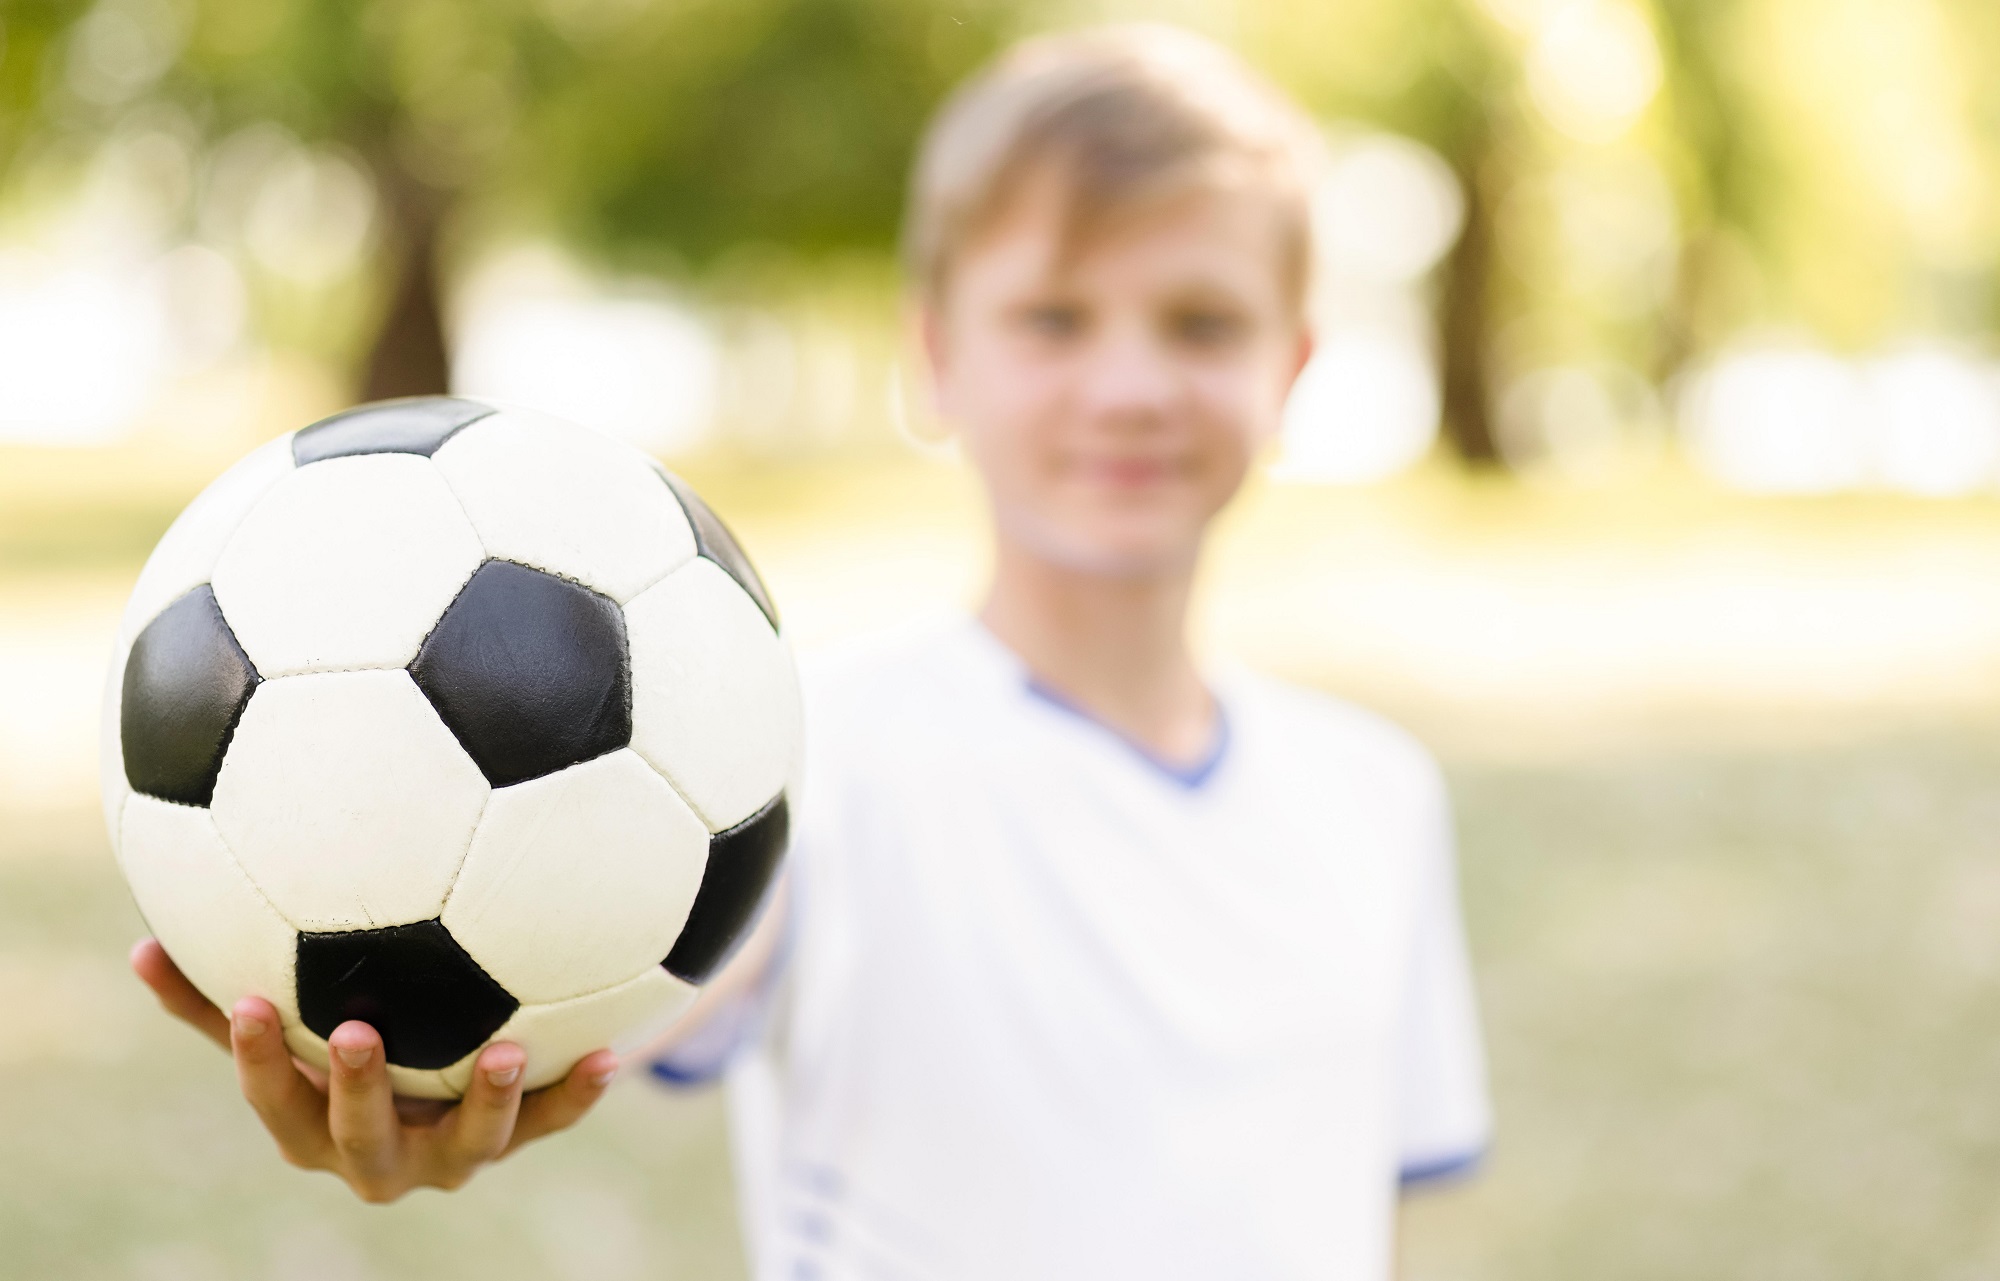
(1433, 69)
(30, 38)
(715, 124)
(631, 126)
(1831, 167)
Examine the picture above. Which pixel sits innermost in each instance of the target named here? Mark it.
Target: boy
(1089, 964)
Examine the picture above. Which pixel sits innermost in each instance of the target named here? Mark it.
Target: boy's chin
(1125, 555)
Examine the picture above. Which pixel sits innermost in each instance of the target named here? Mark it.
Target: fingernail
(356, 1058)
(602, 1079)
(247, 1026)
(504, 1077)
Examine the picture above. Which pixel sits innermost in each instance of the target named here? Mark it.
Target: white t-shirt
(1051, 1009)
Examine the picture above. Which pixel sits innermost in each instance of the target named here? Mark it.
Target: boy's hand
(349, 1122)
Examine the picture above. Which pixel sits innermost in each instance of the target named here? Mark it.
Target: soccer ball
(464, 722)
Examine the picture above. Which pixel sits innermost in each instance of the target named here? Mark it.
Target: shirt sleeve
(1445, 1120)
(736, 1026)
(704, 1055)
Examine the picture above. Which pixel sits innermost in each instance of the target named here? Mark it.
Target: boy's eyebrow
(1208, 285)
(1210, 290)
(1033, 289)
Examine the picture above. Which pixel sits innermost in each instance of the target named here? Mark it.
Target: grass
(1741, 1014)
(125, 1151)
(1728, 778)
(1740, 1009)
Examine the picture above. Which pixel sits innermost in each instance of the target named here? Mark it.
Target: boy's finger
(180, 998)
(360, 1113)
(563, 1104)
(479, 1128)
(290, 1108)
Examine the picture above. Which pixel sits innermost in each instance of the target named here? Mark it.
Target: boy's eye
(1053, 320)
(1206, 328)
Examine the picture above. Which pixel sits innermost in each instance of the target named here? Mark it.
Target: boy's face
(1113, 400)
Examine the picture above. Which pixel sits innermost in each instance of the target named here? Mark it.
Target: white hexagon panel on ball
(347, 800)
(224, 936)
(623, 1019)
(715, 696)
(578, 880)
(187, 553)
(567, 500)
(345, 564)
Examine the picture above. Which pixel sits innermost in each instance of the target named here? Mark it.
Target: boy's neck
(1116, 647)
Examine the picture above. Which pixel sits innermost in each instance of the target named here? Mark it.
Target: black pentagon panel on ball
(416, 425)
(185, 685)
(529, 671)
(714, 541)
(413, 984)
(741, 862)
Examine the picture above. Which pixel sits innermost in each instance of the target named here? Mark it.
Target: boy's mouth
(1128, 472)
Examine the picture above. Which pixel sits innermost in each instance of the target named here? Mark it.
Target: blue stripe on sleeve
(1441, 1169)
(703, 1057)
(682, 1077)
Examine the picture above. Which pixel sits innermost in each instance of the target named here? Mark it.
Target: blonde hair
(1121, 117)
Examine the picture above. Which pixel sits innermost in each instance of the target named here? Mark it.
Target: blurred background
(1649, 468)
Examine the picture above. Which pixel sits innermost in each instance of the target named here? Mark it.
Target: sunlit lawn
(124, 1151)
(1743, 1014)
(1729, 861)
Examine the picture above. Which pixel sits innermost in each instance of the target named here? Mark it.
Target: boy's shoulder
(1326, 728)
(892, 685)
(895, 665)
(906, 692)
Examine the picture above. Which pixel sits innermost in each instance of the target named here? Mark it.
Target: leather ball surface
(465, 722)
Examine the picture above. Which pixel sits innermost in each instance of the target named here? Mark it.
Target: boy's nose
(1130, 379)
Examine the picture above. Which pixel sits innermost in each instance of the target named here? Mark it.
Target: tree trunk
(409, 356)
(1464, 324)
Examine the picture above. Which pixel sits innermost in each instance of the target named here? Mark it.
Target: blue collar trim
(1187, 776)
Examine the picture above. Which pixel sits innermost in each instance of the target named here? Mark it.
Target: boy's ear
(930, 333)
(1301, 356)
